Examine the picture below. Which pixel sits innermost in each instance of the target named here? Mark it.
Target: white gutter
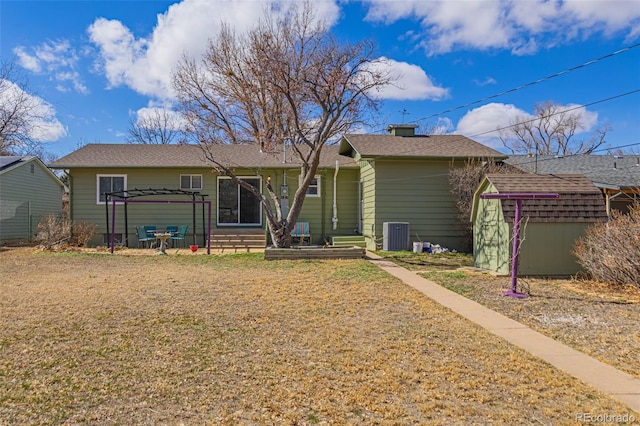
(334, 219)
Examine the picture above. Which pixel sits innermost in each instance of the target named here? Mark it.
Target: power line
(557, 113)
(532, 83)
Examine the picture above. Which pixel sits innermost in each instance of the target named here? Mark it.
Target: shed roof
(603, 170)
(580, 200)
(424, 146)
(187, 156)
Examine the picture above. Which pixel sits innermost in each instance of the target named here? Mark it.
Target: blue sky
(96, 65)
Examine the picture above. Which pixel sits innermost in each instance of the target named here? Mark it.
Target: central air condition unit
(395, 236)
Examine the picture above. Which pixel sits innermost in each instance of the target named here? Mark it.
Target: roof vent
(402, 129)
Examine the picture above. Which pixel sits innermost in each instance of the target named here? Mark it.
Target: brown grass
(103, 339)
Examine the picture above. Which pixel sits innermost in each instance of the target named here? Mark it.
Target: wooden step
(348, 241)
(237, 239)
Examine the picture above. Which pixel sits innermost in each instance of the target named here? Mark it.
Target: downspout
(334, 219)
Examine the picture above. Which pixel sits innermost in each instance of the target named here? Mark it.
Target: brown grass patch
(93, 338)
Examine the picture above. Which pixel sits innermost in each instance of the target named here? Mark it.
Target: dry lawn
(600, 320)
(183, 339)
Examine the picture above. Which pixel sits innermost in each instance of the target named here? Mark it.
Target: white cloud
(481, 123)
(43, 124)
(57, 57)
(521, 26)
(145, 64)
(412, 82)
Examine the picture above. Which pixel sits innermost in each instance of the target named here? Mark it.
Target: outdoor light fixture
(284, 190)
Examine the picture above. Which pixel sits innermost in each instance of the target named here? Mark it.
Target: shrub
(610, 252)
(53, 230)
(82, 233)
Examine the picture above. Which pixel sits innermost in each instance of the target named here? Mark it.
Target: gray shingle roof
(580, 200)
(448, 146)
(602, 170)
(186, 156)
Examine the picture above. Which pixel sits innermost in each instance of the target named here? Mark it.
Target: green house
(549, 227)
(404, 179)
(28, 190)
(169, 173)
(362, 183)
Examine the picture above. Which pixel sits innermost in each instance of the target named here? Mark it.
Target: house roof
(423, 146)
(187, 156)
(11, 162)
(580, 200)
(605, 171)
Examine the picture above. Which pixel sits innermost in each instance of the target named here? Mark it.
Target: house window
(314, 187)
(191, 182)
(110, 183)
(236, 205)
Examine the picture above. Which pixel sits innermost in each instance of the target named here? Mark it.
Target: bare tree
(463, 183)
(286, 81)
(19, 113)
(157, 126)
(551, 131)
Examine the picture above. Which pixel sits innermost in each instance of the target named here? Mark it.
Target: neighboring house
(364, 182)
(404, 178)
(617, 177)
(549, 227)
(28, 190)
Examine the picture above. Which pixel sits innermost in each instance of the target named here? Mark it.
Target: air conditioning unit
(395, 236)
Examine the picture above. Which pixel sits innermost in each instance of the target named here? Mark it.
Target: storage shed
(549, 227)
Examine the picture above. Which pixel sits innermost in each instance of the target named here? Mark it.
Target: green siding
(491, 237)
(417, 192)
(25, 197)
(547, 249)
(368, 178)
(316, 210)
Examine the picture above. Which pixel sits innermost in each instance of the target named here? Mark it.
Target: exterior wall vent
(395, 236)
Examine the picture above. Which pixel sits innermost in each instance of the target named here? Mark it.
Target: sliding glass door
(236, 205)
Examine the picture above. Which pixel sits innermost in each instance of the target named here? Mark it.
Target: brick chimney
(402, 129)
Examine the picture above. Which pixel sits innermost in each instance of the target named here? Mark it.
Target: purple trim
(519, 196)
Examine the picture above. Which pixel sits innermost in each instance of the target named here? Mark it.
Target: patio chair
(143, 238)
(180, 236)
(150, 230)
(302, 232)
(172, 229)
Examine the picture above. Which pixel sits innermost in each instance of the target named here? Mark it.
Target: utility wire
(532, 83)
(557, 113)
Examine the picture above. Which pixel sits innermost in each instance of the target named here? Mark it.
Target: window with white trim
(314, 187)
(109, 183)
(191, 182)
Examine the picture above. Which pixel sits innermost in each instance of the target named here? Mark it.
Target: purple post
(512, 292)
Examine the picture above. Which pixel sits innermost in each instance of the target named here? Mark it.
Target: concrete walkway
(620, 385)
